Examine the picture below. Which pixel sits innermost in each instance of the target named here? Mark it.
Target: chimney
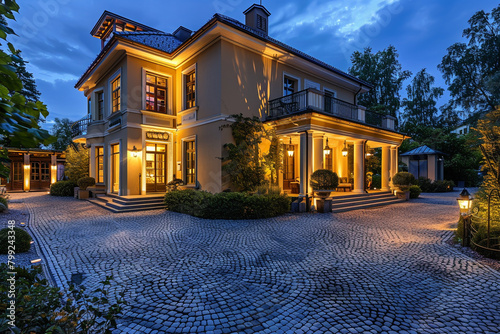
(182, 33)
(257, 17)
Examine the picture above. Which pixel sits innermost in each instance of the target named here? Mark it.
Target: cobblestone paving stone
(384, 270)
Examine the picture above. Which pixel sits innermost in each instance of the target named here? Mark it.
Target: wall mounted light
(327, 148)
(345, 150)
(290, 148)
(134, 152)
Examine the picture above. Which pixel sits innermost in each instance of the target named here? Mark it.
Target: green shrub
(437, 186)
(267, 189)
(324, 179)
(425, 184)
(4, 201)
(18, 238)
(227, 205)
(174, 184)
(41, 308)
(85, 182)
(63, 188)
(403, 180)
(415, 191)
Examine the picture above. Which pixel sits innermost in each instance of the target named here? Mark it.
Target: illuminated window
(190, 161)
(17, 170)
(100, 106)
(115, 168)
(35, 171)
(289, 86)
(115, 88)
(99, 162)
(44, 171)
(156, 93)
(190, 89)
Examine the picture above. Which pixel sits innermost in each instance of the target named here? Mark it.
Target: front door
(156, 167)
(40, 175)
(289, 167)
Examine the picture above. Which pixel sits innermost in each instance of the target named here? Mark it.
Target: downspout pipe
(356, 95)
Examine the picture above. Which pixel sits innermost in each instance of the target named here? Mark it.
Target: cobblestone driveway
(385, 270)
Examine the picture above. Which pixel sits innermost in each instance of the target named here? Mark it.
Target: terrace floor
(382, 270)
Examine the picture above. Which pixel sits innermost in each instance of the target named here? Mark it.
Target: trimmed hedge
(85, 182)
(21, 240)
(63, 188)
(415, 191)
(5, 204)
(428, 186)
(227, 205)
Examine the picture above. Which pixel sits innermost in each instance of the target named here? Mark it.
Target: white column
(394, 160)
(359, 167)
(306, 161)
(318, 153)
(386, 164)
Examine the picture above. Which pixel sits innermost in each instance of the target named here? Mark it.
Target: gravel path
(384, 270)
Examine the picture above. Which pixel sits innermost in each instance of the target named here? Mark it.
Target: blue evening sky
(54, 35)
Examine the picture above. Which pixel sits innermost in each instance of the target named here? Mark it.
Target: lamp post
(465, 203)
(290, 150)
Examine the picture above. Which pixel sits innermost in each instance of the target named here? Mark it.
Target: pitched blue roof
(158, 40)
(421, 150)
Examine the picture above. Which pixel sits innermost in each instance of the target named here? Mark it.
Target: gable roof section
(168, 44)
(107, 16)
(422, 150)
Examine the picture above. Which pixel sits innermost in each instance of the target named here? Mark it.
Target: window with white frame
(290, 85)
(100, 105)
(190, 89)
(116, 94)
(190, 162)
(156, 93)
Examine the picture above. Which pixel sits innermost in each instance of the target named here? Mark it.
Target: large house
(156, 102)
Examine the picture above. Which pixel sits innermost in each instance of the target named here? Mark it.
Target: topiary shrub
(227, 205)
(174, 184)
(324, 179)
(85, 182)
(415, 191)
(63, 188)
(4, 204)
(18, 238)
(403, 180)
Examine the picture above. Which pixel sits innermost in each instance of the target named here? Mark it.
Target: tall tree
(384, 71)
(472, 69)
(420, 104)
(19, 117)
(61, 130)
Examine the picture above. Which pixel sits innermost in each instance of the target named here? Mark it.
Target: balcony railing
(79, 128)
(315, 100)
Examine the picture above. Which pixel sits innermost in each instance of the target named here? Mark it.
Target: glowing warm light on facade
(344, 150)
(290, 149)
(327, 148)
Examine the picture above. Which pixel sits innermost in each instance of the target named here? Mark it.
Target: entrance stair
(119, 204)
(343, 203)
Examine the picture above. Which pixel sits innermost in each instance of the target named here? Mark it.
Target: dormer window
(261, 22)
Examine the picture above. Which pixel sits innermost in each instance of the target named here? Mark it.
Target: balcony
(79, 128)
(315, 100)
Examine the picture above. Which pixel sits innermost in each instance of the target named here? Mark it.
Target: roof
(422, 150)
(107, 15)
(168, 44)
(158, 40)
(257, 6)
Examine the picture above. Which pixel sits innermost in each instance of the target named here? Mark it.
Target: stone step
(367, 200)
(359, 206)
(361, 197)
(117, 204)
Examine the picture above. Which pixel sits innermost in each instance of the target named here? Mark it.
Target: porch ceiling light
(290, 150)
(345, 150)
(134, 152)
(327, 148)
(465, 202)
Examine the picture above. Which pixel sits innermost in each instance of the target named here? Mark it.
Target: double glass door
(156, 167)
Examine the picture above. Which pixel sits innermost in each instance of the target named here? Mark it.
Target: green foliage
(415, 191)
(19, 114)
(174, 184)
(85, 182)
(403, 180)
(63, 188)
(16, 237)
(420, 105)
(4, 201)
(324, 179)
(384, 71)
(437, 186)
(77, 163)
(376, 181)
(243, 163)
(61, 130)
(273, 160)
(268, 190)
(227, 205)
(41, 308)
(471, 69)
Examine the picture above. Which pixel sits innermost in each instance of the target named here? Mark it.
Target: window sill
(187, 111)
(157, 114)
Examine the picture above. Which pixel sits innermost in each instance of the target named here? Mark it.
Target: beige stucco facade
(235, 72)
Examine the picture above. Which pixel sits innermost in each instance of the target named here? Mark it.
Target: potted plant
(403, 180)
(83, 184)
(323, 182)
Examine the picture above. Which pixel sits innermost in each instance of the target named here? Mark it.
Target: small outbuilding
(426, 162)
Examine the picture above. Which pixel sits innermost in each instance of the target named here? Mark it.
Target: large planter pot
(324, 205)
(403, 194)
(323, 194)
(83, 194)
